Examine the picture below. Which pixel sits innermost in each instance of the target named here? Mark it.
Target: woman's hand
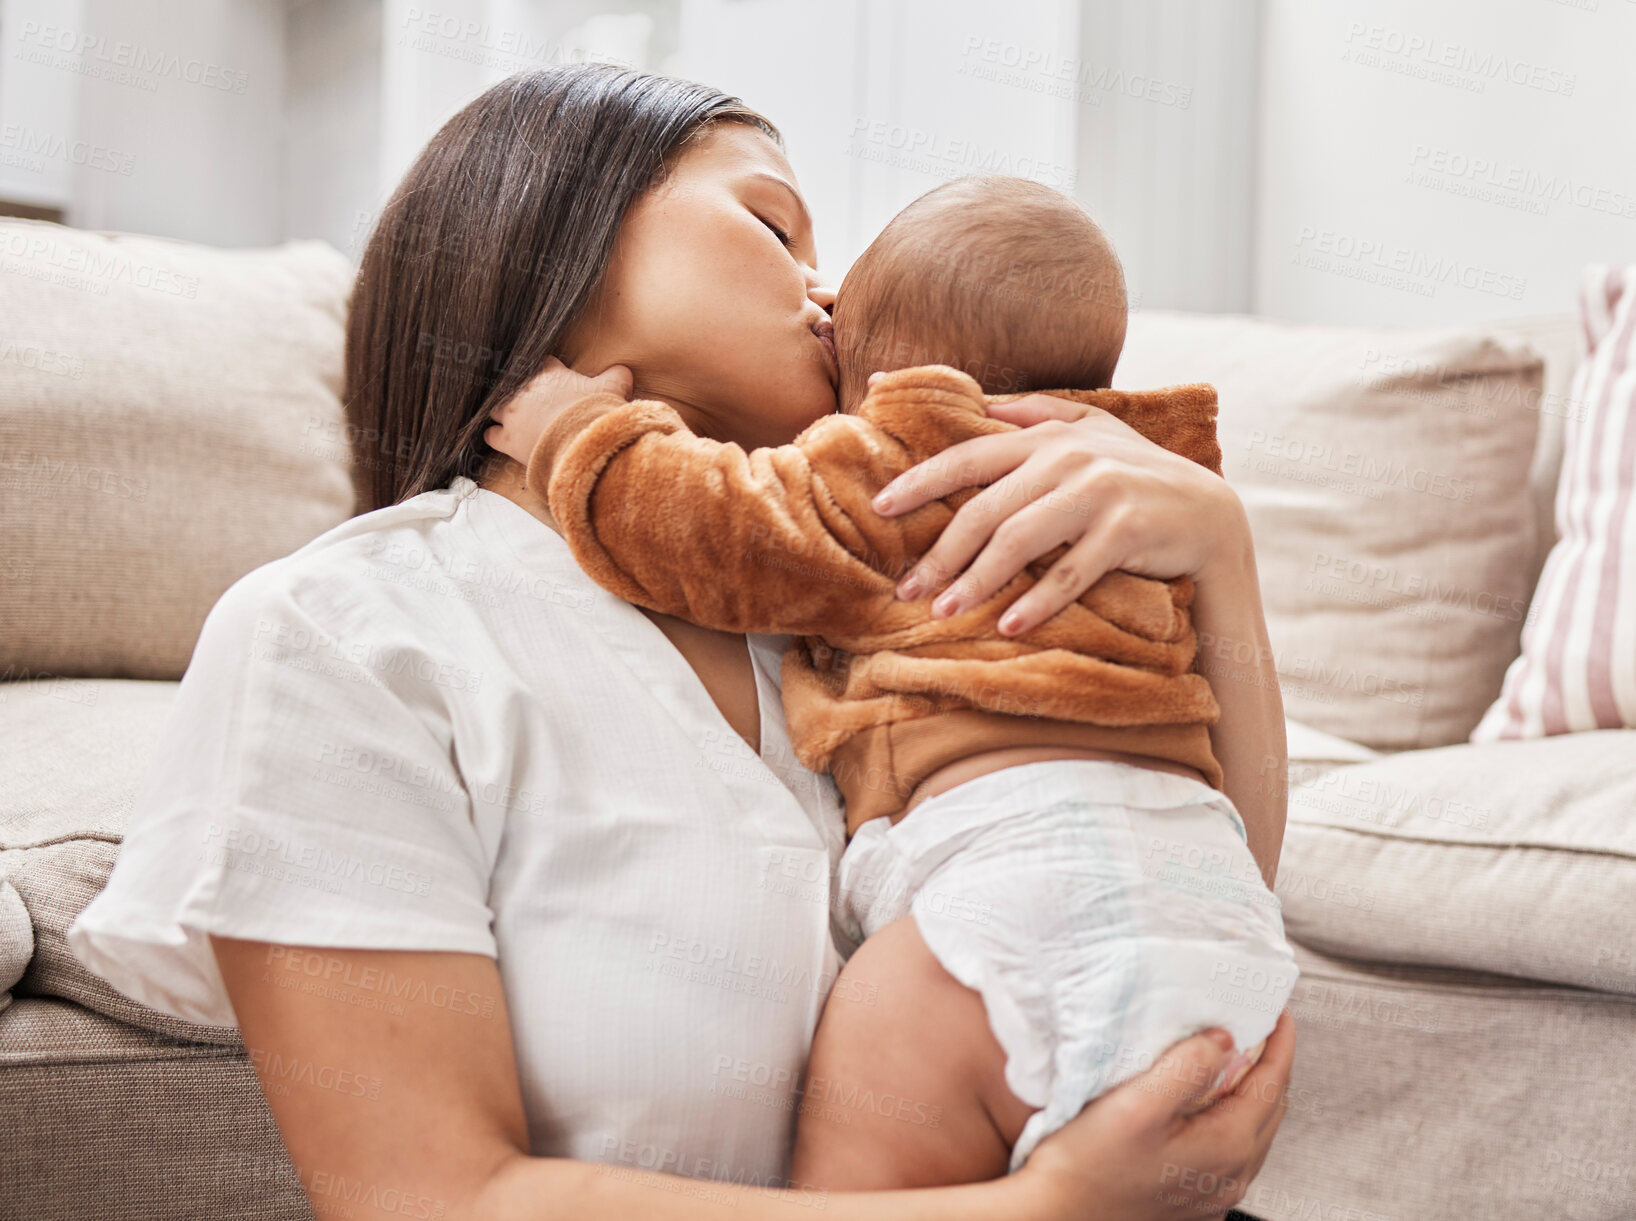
(1143, 1152)
(519, 421)
(1074, 475)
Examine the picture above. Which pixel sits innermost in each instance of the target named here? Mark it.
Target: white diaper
(1103, 912)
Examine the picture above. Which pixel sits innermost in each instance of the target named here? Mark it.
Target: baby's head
(1005, 278)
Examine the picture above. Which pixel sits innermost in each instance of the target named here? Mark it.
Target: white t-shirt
(428, 730)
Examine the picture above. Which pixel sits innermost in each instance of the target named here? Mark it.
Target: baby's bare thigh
(906, 1084)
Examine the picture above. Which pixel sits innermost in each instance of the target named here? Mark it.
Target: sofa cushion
(169, 420)
(16, 939)
(1577, 670)
(1424, 1094)
(1308, 747)
(1514, 857)
(1560, 341)
(77, 753)
(1384, 473)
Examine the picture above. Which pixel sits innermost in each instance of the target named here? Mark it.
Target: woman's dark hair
(488, 250)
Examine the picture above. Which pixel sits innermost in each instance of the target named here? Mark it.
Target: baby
(1038, 818)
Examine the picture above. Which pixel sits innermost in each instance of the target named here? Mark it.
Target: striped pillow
(1577, 670)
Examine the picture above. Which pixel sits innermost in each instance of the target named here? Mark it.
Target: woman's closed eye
(777, 232)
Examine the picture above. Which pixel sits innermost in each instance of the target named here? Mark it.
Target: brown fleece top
(783, 539)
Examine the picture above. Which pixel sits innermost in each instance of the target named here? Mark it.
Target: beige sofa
(1463, 914)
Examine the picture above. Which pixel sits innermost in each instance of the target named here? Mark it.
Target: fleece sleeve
(741, 541)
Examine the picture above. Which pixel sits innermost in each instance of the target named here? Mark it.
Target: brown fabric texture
(104, 1120)
(783, 539)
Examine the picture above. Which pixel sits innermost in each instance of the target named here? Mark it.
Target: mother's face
(712, 296)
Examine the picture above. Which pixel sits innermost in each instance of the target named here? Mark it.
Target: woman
(514, 891)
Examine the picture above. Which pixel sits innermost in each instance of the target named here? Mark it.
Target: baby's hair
(1005, 278)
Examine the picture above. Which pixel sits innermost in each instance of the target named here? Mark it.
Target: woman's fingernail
(882, 501)
(1221, 1038)
(1010, 622)
(910, 588)
(945, 606)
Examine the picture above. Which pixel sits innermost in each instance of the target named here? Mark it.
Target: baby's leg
(1060, 945)
(906, 1083)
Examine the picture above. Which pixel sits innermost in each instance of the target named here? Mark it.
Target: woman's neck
(507, 478)
(656, 386)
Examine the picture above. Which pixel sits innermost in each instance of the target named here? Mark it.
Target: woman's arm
(418, 1113)
(415, 1111)
(1235, 654)
(1078, 477)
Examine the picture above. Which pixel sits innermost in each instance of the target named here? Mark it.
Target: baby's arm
(759, 541)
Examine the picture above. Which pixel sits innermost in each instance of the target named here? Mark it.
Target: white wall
(1427, 161)
(244, 122)
(39, 107)
(1310, 159)
(434, 58)
(332, 120)
(166, 117)
(879, 102)
(1142, 109)
(1166, 93)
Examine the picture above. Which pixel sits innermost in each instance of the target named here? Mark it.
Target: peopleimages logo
(946, 155)
(92, 267)
(1042, 71)
(1514, 186)
(1394, 266)
(1328, 574)
(125, 63)
(31, 143)
(1351, 468)
(1448, 63)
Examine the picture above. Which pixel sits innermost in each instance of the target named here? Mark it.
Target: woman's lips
(825, 332)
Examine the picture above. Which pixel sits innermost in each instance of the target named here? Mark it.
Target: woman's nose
(820, 292)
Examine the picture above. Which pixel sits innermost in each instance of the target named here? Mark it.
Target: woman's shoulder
(458, 583)
(360, 570)
(307, 788)
(426, 516)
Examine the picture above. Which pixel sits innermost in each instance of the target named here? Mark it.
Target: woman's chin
(784, 415)
(759, 410)
(822, 402)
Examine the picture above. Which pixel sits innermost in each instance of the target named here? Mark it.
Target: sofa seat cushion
(1428, 1094)
(77, 753)
(1515, 857)
(110, 1121)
